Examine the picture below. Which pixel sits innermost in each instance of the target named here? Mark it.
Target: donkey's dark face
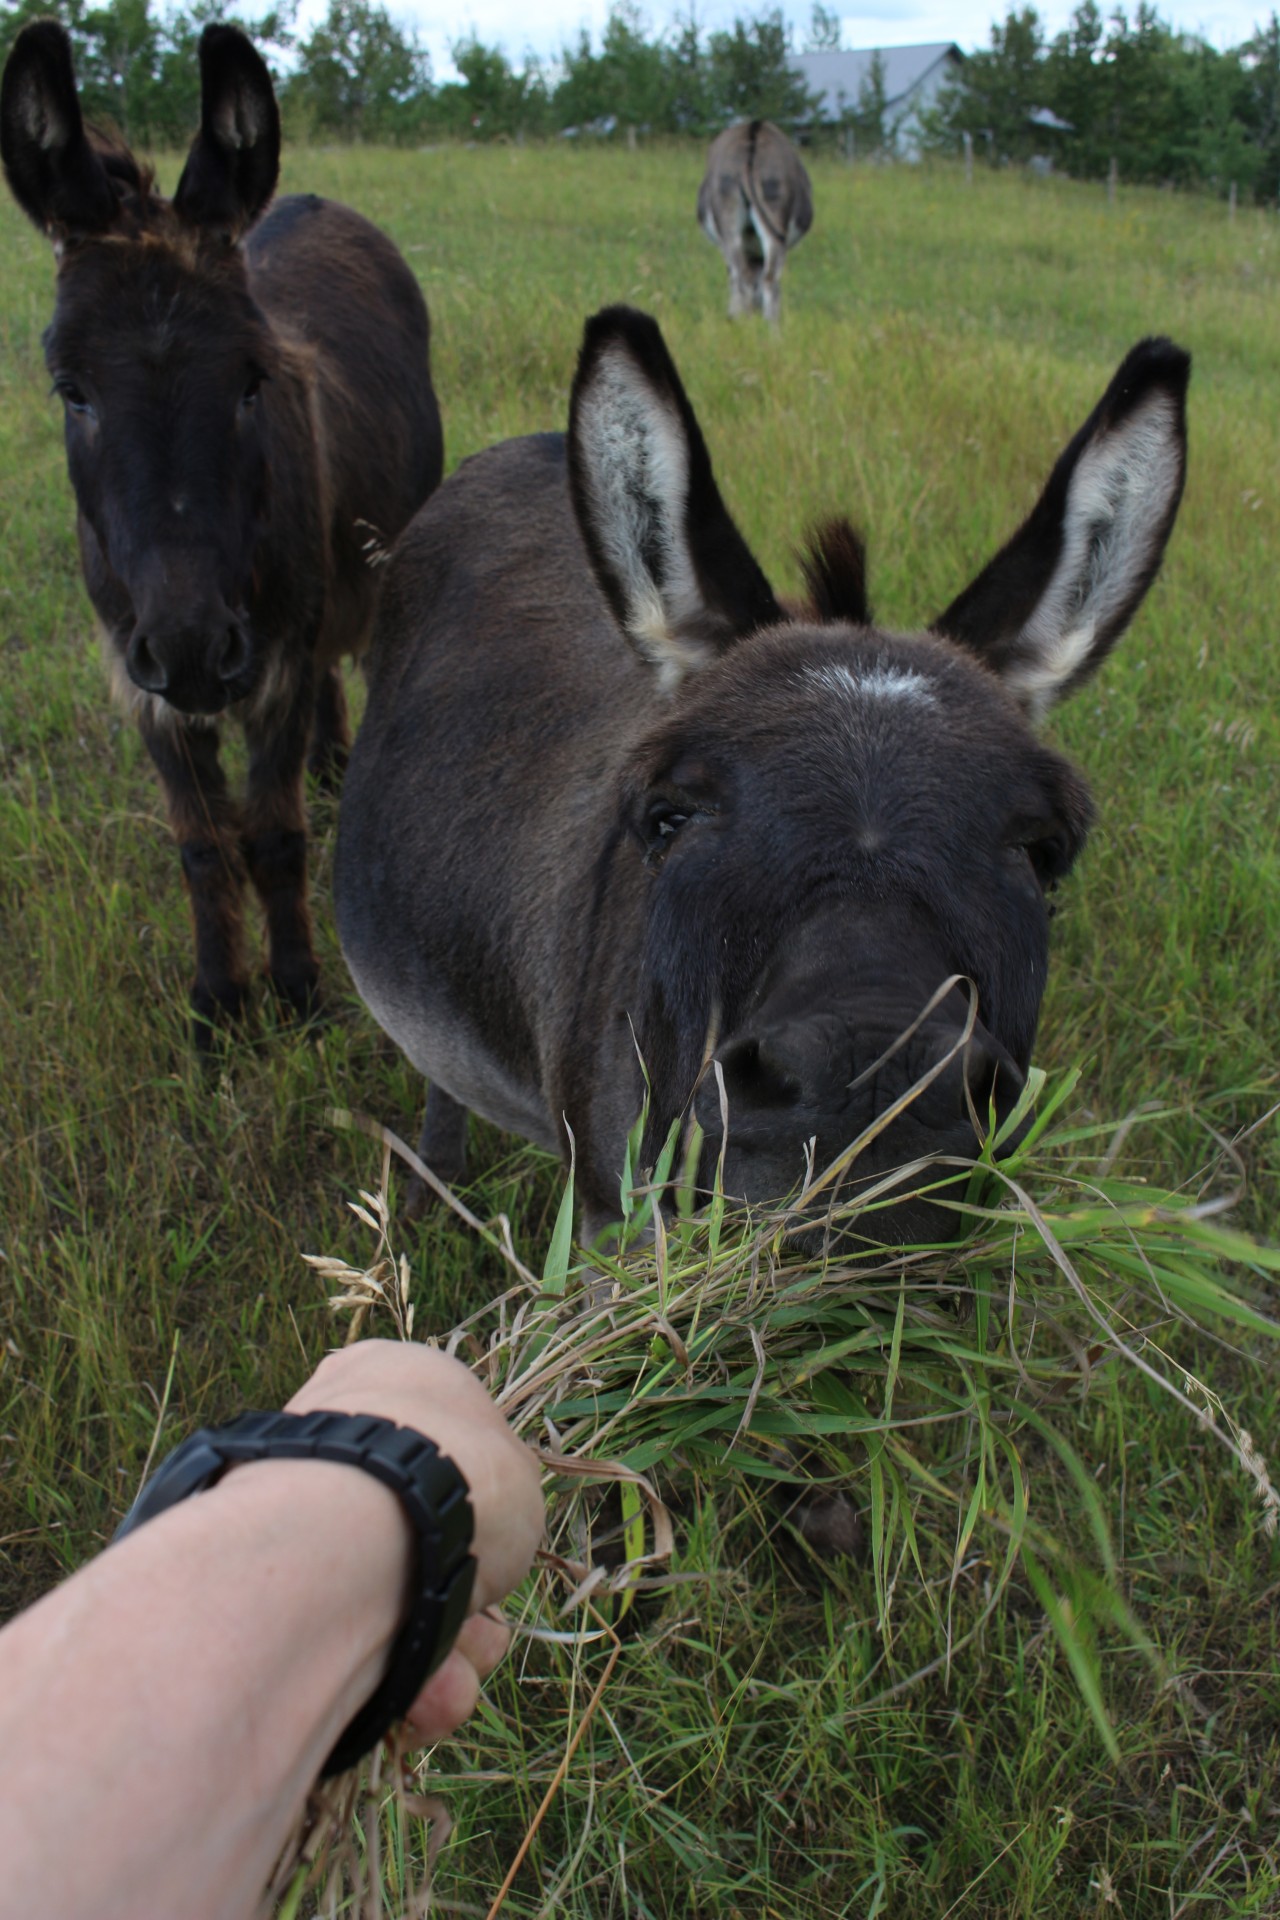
(838, 824)
(159, 356)
(848, 835)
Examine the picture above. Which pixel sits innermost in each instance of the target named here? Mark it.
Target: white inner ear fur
(235, 123)
(636, 462)
(1116, 506)
(39, 117)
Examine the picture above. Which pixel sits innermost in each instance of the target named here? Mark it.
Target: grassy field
(750, 1756)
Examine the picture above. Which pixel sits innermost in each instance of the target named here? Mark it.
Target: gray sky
(542, 26)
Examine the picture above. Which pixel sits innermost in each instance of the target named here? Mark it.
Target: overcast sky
(542, 26)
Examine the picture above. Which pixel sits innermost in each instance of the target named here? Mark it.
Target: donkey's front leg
(442, 1146)
(330, 732)
(206, 826)
(275, 847)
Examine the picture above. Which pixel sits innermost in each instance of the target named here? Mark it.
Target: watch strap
(430, 1487)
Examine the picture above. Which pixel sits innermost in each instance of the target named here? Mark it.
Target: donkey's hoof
(420, 1200)
(215, 1013)
(298, 997)
(829, 1524)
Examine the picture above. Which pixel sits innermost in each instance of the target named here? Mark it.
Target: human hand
(423, 1388)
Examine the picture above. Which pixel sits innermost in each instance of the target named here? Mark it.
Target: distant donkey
(248, 413)
(754, 203)
(612, 803)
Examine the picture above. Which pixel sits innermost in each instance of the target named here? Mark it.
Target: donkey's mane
(835, 572)
(126, 173)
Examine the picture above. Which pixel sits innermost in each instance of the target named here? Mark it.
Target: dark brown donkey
(609, 799)
(247, 408)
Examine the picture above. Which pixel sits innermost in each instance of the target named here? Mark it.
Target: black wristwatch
(433, 1493)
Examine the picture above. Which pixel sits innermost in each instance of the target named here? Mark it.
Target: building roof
(838, 76)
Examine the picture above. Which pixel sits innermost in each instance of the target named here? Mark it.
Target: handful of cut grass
(717, 1362)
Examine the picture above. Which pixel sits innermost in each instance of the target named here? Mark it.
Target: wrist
(431, 1491)
(338, 1537)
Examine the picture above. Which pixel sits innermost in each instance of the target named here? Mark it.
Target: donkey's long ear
(234, 161)
(677, 573)
(56, 177)
(1050, 606)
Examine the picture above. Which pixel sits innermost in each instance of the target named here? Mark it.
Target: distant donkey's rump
(609, 802)
(755, 203)
(247, 407)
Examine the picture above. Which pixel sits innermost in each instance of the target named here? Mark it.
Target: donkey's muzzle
(801, 1093)
(199, 665)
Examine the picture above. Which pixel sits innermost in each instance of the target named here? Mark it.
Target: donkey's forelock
(876, 679)
(128, 174)
(835, 572)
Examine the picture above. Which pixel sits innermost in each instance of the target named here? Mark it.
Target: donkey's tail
(757, 204)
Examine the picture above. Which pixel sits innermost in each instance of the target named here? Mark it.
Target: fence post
(968, 159)
(1113, 174)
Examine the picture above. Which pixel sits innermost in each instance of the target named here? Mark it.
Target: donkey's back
(340, 296)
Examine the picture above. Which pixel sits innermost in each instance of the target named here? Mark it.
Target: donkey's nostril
(756, 1074)
(146, 669)
(233, 655)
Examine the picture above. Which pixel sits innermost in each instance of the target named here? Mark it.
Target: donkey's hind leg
(742, 277)
(442, 1146)
(770, 279)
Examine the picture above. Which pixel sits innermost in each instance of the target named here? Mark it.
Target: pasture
(939, 343)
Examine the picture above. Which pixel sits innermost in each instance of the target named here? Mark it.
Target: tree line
(1164, 107)
(1160, 105)
(359, 75)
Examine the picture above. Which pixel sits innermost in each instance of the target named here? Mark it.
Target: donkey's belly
(451, 1055)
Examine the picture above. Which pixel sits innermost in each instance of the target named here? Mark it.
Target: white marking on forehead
(878, 682)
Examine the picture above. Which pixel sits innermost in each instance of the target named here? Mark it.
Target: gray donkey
(611, 802)
(754, 203)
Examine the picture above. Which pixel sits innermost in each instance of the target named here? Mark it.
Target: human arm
(164, 1713)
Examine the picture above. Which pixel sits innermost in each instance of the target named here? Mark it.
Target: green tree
(1260, 105)
(360, 76)
(1140, 122)
(492, 101)
(1001, 87)
(630, 79)
(824, 30)
(691, 107)
(1075, 84)
(869, 116)
(750, 72)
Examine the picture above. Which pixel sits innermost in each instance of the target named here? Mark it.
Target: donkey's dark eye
(252, 390)
(1050, 855)
(663, 821)
(71, 395)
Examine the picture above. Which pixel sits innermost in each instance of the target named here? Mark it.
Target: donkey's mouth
(206, 701)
